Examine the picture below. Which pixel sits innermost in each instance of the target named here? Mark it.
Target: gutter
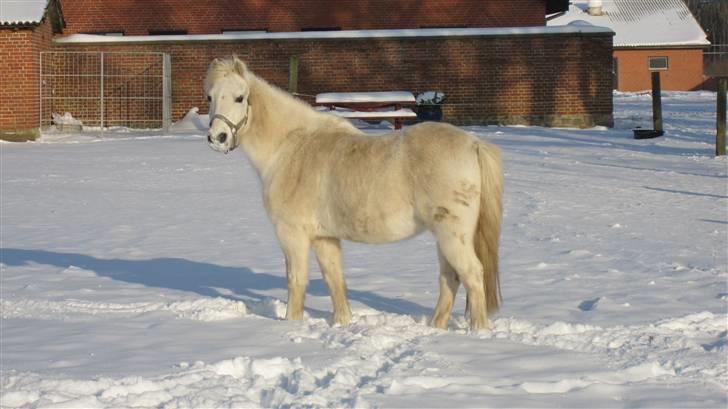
(583, 29)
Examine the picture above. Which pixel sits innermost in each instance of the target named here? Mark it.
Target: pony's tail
(488, 230)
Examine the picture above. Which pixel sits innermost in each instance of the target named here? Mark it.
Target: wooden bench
(370, 105)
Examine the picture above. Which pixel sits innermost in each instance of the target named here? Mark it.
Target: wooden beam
(293, 74)
(721, 117)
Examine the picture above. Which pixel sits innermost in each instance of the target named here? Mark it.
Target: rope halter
(233, 126)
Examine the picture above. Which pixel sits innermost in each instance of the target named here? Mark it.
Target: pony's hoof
(342, 319)
(477, 326)
(439, 323)
(294, 316)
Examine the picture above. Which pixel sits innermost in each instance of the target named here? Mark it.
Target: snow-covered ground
(141, 271)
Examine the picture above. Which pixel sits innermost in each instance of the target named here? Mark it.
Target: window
(657, 63)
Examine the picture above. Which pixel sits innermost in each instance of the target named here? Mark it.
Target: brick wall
(546, 79)
(198, 17)
(685, 69)
(19, 55)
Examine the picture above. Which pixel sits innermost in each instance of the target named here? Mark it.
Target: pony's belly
(374, 230)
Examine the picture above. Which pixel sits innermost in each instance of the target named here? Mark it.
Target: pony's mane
(221, 67)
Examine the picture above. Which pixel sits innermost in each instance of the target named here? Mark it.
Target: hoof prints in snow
(372, 347)
(201, 309)
(692, 346)
(382, 354)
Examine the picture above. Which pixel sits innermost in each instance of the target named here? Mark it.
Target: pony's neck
(275, 115)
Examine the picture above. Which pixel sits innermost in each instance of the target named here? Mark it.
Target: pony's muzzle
(220, 138)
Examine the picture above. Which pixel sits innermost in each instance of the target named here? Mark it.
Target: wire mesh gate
(106, 89)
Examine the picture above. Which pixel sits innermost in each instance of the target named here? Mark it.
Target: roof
(140, 17)
(641, 23)
(576, 28)
(22, 12)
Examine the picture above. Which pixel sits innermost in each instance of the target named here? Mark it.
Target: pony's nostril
(209, 138)
(222, 137)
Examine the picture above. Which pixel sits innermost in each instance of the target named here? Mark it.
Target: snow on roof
(20, 12)
(344, 34)
(641, 23)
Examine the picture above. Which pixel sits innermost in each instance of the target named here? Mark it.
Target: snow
(364, 97)
(640, 23)
(430, 98)
(139, 270)
(192, 122)
(65, 119)
(343, 34)
(347, 113)
(22, 11)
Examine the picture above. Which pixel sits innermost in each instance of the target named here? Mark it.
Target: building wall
(552, 80)
(19, 99)
(685, 69)
(199, 17)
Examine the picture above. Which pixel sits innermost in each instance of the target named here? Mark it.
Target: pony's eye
(239, 99)
(209, 98)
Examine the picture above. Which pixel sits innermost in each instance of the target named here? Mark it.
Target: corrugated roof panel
(18, 12)
(641, 23)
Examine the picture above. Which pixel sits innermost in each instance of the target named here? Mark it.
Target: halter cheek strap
(233, 127)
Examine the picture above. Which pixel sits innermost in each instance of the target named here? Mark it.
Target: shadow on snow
(199, 277)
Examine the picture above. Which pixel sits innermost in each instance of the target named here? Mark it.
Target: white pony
(324, 180)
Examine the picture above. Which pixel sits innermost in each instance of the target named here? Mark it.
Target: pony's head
(228, 93)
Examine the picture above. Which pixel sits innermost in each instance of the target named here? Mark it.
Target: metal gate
(106, 90)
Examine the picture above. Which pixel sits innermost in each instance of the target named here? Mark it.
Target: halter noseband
(233, 127)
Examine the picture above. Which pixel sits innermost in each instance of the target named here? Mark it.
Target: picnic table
(392, 105)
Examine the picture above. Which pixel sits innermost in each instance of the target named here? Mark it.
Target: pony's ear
(240, 67)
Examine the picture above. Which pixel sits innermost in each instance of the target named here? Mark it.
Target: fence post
(166, 91)
(102, 92)
(293, 74)
(721, 117)
(656, 101)
(40, 91)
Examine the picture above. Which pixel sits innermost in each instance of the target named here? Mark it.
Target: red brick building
(658, 33)
(496, 60)
(23, 34)
(215, 17)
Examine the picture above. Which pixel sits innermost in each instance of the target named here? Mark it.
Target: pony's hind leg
(328, 254)
(449, 284)
(295, 246)
(455, 241)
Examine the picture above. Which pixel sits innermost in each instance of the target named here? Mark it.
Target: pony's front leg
(328, 254)
(295, 246)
